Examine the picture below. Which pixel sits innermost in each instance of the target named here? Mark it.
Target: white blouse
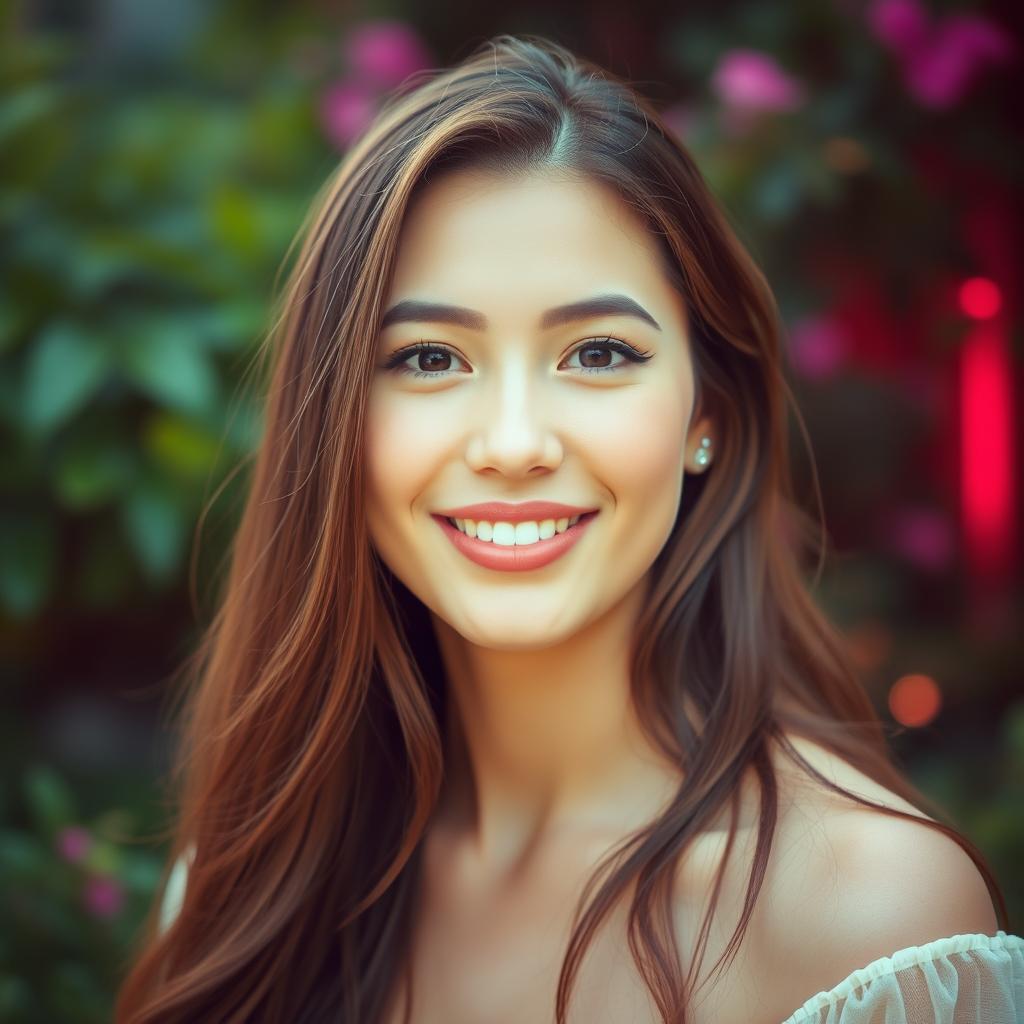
(962, 979)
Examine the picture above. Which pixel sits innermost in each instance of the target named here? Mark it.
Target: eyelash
(396, 359)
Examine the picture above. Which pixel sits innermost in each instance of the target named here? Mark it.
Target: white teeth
(515, 534)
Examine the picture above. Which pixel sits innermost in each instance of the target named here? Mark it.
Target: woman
(517, 707)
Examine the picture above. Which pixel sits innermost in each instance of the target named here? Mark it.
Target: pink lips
(516, 558)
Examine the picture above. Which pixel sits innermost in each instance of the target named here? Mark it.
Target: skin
(547, 747)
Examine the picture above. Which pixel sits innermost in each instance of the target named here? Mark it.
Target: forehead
(478, 232)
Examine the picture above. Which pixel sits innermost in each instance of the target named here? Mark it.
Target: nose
(514, 431)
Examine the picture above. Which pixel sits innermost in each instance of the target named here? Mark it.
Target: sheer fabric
(961, 979)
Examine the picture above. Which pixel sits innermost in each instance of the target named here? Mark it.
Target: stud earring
(703, 456)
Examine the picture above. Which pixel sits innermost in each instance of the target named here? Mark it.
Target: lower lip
(515, 558)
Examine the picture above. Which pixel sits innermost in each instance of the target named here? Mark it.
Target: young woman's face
(513, 403)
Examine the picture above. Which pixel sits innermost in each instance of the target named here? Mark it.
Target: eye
(397, 360)
(602, 347)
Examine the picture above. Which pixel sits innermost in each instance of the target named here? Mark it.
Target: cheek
(642, 447)
(641, 462)
(398, 453)
(396, 471)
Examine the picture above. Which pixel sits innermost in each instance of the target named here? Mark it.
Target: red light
(980, 298)
(987, 455)
(915, 700)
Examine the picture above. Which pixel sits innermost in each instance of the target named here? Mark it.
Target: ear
(700, 445)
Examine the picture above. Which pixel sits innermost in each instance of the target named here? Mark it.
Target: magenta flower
(103, 896)
(73, 843)
(902, 25)
(383, 53)
(817, 346)
(346, 110)
(942, 59)
(753, 81)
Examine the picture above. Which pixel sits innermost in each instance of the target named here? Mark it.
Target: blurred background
(158, 158)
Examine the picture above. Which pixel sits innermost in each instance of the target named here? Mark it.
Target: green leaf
(228, 326)
(165, 361)
(181, 446)
(27, 562)
(155, 524)
(65, 368)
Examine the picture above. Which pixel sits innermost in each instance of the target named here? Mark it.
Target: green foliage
(70, 901)
(141, 227)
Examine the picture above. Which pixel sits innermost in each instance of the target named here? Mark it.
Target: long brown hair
(313, 729)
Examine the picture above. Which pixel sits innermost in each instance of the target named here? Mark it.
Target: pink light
(986, 451)
(980, 298)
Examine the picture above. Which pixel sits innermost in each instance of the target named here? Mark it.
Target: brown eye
(432, 360)
(595, 355)
(603, 361)
(427, 357)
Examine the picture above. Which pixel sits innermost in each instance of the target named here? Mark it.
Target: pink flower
(346, 110)
(103, 896)
(939, 74)
(817, 346)
(753, 80)
(901, 24)
(73, 843)
(941, 59)
(383, 53)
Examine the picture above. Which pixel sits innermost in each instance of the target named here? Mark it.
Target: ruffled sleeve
(962, 979)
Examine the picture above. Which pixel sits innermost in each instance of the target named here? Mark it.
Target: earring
(703, 456)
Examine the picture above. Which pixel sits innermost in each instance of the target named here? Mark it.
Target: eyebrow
(415, 311)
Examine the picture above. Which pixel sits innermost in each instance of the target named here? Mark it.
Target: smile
(516, 547)
(506, 534)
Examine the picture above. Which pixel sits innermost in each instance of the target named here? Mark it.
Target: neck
(544, 741)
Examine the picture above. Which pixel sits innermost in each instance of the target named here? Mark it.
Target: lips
(516, 558)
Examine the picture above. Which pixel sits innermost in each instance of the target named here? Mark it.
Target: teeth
(514, 534)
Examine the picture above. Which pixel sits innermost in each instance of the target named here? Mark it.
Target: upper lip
(527, 511)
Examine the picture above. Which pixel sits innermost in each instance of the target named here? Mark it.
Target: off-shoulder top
(960, 979)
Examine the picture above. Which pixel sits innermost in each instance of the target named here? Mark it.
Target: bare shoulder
(843, 886)
(810, 795)
(863, 884)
